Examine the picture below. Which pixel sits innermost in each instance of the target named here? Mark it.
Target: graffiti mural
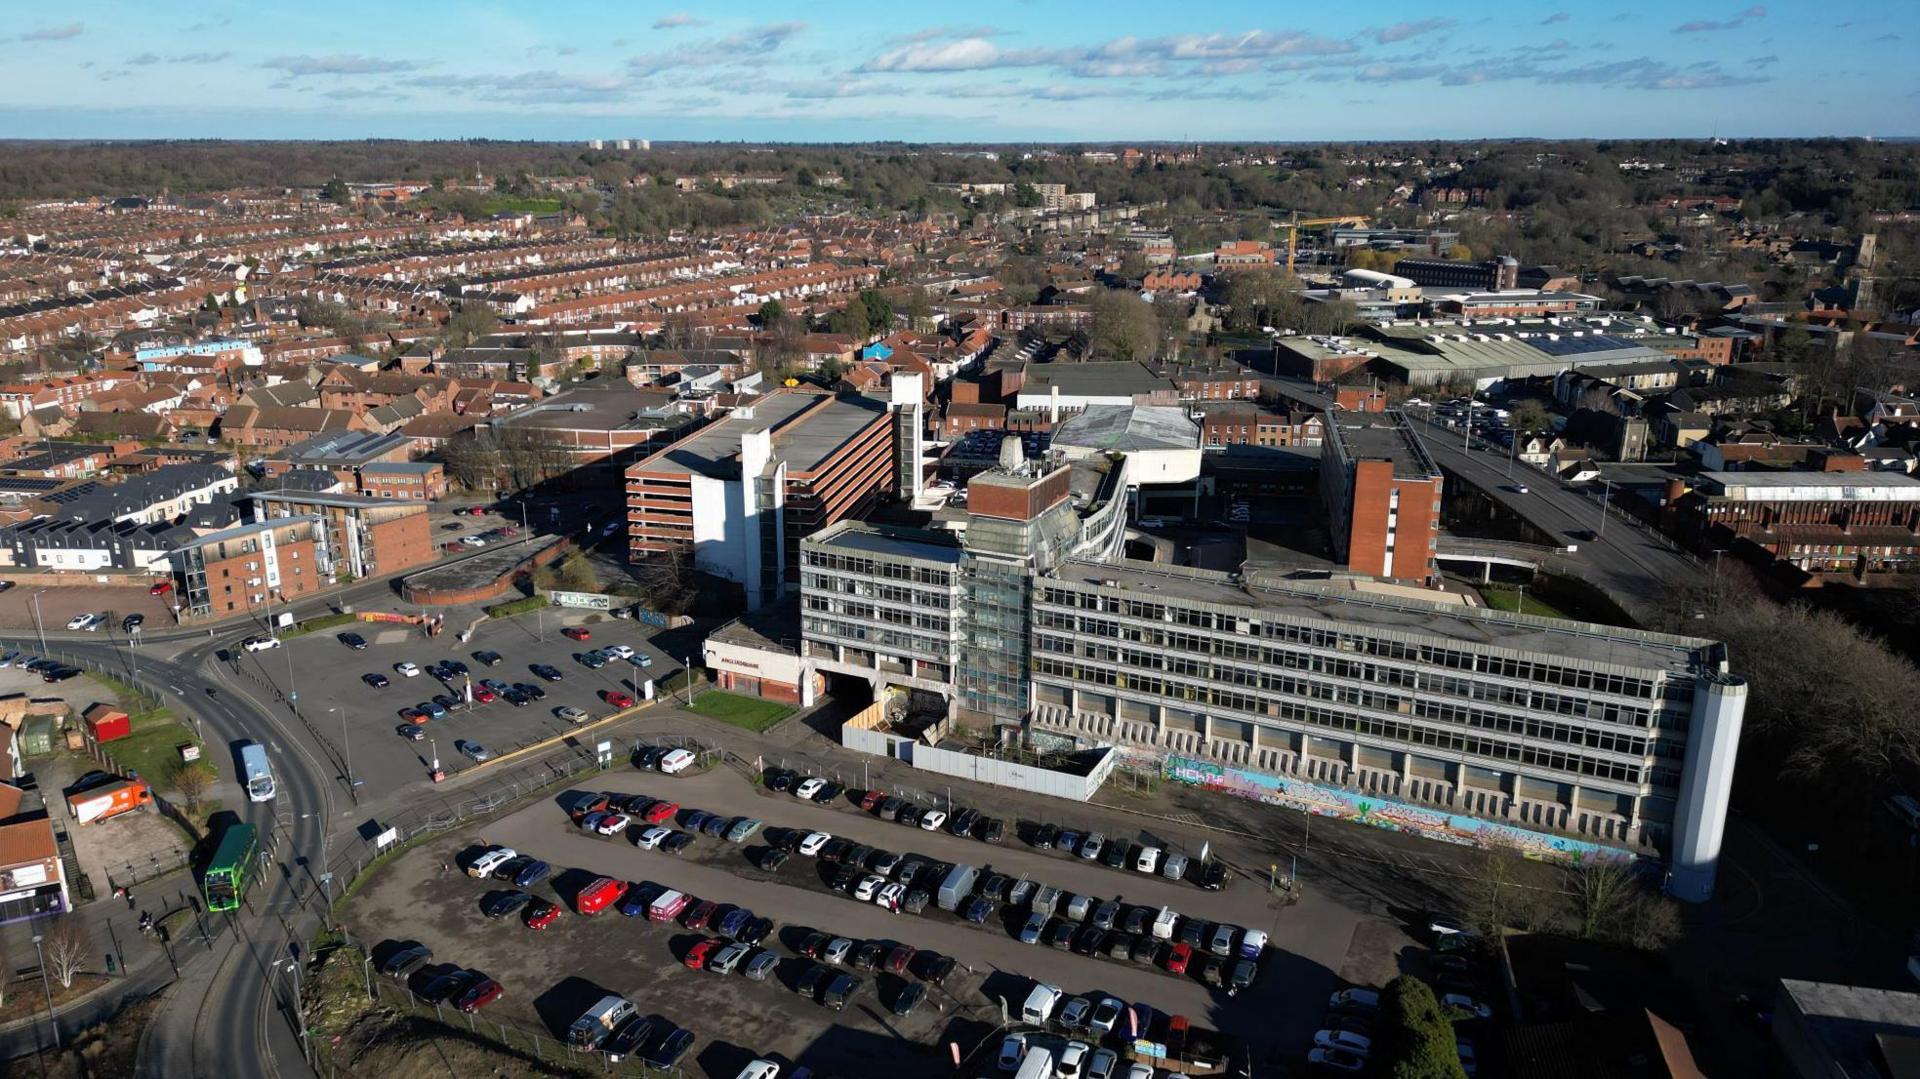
(1395, 816)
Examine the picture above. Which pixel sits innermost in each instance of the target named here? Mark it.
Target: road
(242, 1024)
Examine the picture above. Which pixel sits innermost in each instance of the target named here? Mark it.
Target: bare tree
(189, 781)
(66, 946)
(1603, 892)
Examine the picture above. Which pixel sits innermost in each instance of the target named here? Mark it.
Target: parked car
(478, 994)
(474, 750)
(351, 640)
(403, 963)
(618, 699)
(541, 914)
(576, 633)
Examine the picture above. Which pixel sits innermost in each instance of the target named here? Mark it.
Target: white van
(677, 761)
(1037, 1064)
(1147, 861)
(1040, 1005)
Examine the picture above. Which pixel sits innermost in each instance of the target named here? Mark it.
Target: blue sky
(1039, 69)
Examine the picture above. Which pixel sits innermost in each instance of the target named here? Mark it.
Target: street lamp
(346, 749)
(38, 626)
(47, 984)
(299, 1013)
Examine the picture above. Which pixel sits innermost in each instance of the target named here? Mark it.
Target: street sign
(386, 838)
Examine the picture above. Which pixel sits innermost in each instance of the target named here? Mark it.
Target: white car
(1345, 1040)
(1138, 1070)
(811, 843)
(808, 787)
(407, 670)
(1335, 1060)
(728, 958)
(868, 887)
(260, 644)
(891, 897)
(620, 650)
(86, 621)
(759, 1069)
(651, 838)
(484, 865)
(1466, 1004)
(613, 824)
(573, 715)
(933, 819)
(1073, 1060)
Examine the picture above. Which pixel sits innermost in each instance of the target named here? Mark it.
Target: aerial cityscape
(1045, 542)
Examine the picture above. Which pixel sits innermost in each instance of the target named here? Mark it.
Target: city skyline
(1009, 71)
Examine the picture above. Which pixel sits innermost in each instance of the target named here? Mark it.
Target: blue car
(696, 820)
(714, 825)
(734, 921)
(634, 903)
(432, 709)
(977, 910)
(531, 874)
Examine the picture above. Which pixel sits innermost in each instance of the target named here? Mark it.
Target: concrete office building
(1490, 275)
(739, 494)
(1382, 493)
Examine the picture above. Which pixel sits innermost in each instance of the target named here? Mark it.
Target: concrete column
(1706, 784)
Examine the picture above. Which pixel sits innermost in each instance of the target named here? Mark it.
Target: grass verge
(518, 606)
(750, 713)
(1516, 601)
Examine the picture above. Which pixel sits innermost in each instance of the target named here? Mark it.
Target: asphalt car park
(331, 679)
(1283, 1004)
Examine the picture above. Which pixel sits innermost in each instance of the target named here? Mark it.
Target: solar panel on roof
(1578, 346)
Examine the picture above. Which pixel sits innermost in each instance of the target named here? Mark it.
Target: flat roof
(1374, 436)
(1127, 428)
(1443, 618)
(615, 406)
(1812, 486)
(1103, 378)
(927, 545)
(801, 439)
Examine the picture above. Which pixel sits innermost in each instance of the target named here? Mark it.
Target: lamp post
(46, 984)
(38, 626)
(1606, 490)
(299, 1013)
(346, 753)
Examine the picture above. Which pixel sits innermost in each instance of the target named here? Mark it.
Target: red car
(479, 995)
(1178, 957)
(871, 799)
(698, 955)
(541, 914)
(619, 699)
(509, 531)
(484, 695)
(700, 914)
(160, 589)
(578, 633)
(453, 548)
(414, 715)
(660, 812)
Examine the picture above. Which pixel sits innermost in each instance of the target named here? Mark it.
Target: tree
(468, 325)
(1414, 1039)
(66, 947)
(1123, 326)
(1460, 253)
(851, 320)
(336, 191)
(770, 313)
(879, 311)
(472, 461)
(1026, 196)
(189, 781)
(1528, 415)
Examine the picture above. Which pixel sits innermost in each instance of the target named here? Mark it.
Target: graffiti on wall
(1395, 816)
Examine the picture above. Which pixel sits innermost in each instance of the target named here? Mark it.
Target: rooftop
(1107, 378)
(807, 428)
(1371, 436)
(926, 545)
(611, 406)
(1811, 486)
(1342, 604)
(1127, 428)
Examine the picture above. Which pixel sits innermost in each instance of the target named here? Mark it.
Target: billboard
(586, 601)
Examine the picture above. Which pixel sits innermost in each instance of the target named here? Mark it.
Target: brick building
(1382, 494)
(250, 567)
(361, 536)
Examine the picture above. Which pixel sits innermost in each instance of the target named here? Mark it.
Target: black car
(772, 858)
(515, 697)
(59, 674)
(353, 641)
(814, 979)
(829, 792)
(533, 692)
(629, 1036)
(402, 963)
(910, 814)
(857, 855)
(1089, 940)
(995, 886)
(1116, 856)
(377, 681)
(780, 779)
(1044, 836)
(1214, 877)
(990, 830)
(755, 931)
(907, 998)
(839, 990)
(502, 904)
(491, 659)
(447, 986)
(1061, 934)
(547, 672)
(670, 1049)
(648, 759)
(934, 968)
(868, 955)
(1147, 951)
(455, 666)
(834, 850)
(1193, 933)
(1137, 920)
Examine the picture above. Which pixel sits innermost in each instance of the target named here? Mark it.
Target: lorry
(667, 906)
(599, 1021)
(958, 885)
(256, 773)
(109, 800)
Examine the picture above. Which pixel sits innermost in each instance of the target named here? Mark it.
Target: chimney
(1053, 405)
(1676, 489)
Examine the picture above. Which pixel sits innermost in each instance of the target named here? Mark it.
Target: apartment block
(251, 567)
(1382, 493)
(739, 494)
(361, 536)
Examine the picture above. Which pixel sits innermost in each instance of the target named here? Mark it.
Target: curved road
(243, 1024)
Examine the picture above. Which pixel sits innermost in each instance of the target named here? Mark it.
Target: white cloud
(1739, 19)
(338, 64)
(54, 33)
(739, 47)
(1119, 57)
(1401, 31)
(678, 20)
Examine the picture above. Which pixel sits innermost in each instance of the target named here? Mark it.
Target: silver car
(474, 750)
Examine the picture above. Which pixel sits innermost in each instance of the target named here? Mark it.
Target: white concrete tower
(1706, 785)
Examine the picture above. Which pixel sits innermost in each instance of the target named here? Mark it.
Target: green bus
(231, 868)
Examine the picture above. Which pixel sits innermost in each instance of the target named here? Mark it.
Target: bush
(518, 606)
(1414, 1039)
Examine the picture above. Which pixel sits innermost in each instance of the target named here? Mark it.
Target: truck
(599, 1021)
(1164, 922)
(109, 800)
(958, 885)
(667, 906)
(256, 773)
(1045, 899)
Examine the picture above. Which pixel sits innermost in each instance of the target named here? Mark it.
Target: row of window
(1452, 740)
(872, 613)
(880, 590)
(1266, 628)
(890, 640)
(881, 568)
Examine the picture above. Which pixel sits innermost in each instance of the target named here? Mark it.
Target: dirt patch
(25, 998)
(1376, 955)
(107, 1051)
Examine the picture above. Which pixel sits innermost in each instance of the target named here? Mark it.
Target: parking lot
(579, 957)
(328, 677)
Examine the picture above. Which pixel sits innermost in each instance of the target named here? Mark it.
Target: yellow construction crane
(1298, 223)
